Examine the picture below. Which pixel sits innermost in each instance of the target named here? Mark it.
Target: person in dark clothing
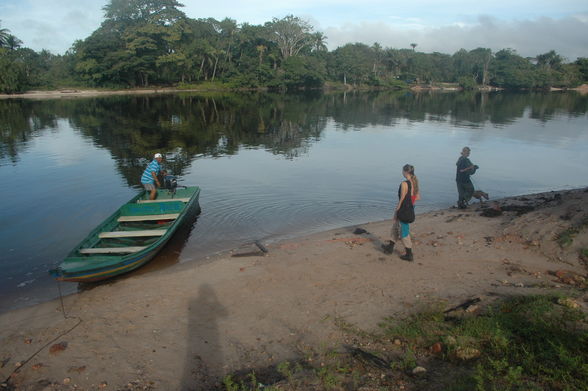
(465, 187)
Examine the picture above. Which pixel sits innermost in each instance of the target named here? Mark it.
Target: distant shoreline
(75, 92)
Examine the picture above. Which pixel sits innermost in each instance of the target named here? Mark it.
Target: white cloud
(53, 25)
(568, 36)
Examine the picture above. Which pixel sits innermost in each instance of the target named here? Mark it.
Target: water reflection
(185, 126)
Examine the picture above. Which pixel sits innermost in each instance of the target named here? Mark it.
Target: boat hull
(79, 267)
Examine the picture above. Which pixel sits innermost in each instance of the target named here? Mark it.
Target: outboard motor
(170, 183)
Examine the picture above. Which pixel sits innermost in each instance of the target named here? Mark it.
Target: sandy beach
(185, 327)
(82, 92)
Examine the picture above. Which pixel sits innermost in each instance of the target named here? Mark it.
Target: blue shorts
(400, 230)
(404, 229)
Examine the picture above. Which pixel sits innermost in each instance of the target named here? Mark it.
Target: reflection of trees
(474, 109)
(185, 126)
(20, 121)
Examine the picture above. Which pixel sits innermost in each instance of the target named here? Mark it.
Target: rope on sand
(5, 384)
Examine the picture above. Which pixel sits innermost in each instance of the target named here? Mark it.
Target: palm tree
(377, 48)
(414, 45)
(12, 42)
(319, 42)
(4, 34)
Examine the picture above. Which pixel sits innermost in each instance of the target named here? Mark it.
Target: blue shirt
(152, 167)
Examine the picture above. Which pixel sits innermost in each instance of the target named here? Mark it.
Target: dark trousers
(465, 190)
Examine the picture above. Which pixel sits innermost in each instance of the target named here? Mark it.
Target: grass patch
(248, 382)
(519, 343)
(526, 343)
(352, 329)
(421, 328)
(530, 343)
(566, 238)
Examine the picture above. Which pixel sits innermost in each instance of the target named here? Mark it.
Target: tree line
(143, 43)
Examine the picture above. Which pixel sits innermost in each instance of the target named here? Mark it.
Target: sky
(530, 27)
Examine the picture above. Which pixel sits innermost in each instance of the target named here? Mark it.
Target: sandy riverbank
(187, 326)
(80, 93)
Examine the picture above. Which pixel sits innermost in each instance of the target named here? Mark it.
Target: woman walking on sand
(408, 194)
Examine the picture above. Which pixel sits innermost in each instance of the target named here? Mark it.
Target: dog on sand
(480, 195)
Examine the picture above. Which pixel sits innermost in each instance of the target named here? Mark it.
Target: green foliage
(152, 42)
(467, 83)
(230, 384)
(12, 73)
(395, 84)
(538, 354)
(522, 343)
(582, 64)
(249, 384)
(407, 362)
(328, 379)
(423, 326)
(526, 343)
(566, 237)
(153, 11)
(512, 71)
(284, 368)
(351, 64)
(4, 38)
(303, 72)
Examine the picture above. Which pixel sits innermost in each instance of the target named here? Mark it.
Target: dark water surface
(270, 166)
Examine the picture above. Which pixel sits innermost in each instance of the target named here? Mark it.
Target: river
(271, 166)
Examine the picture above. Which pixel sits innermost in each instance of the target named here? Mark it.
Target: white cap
(157, 155)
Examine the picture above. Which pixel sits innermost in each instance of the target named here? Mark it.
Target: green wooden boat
(130, 237)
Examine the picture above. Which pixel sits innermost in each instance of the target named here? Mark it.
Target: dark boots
(388, 248)
(408, 256)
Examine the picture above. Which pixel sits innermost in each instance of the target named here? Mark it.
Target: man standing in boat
(149, 177)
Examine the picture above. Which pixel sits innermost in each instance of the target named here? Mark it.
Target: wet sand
(187, 326)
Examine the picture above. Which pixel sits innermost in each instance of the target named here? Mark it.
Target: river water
(270, 166)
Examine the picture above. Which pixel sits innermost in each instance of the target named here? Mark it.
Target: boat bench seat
(150, 212)
(132, 234)
(168, 216)
(164, 200)
(112, 250)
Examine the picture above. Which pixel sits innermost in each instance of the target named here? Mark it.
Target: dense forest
(143, 43)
